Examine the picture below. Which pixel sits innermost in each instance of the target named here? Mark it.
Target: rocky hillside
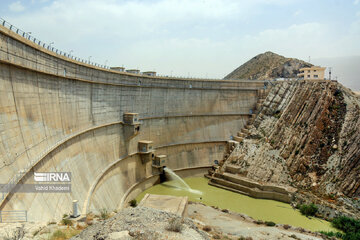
(306, 135)
(143, 223)
(268, 65)
(316, 129)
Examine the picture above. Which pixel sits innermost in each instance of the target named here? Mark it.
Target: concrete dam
(61, 115)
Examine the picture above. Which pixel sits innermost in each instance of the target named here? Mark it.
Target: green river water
(261, 209)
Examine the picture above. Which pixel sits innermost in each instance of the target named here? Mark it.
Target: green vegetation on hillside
(349, 226)
(308, 210)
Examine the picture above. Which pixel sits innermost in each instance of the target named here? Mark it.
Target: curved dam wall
(59, 115)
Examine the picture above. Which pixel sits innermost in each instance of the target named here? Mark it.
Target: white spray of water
(184, 185)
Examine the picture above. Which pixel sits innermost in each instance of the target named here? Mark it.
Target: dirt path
(236, 226)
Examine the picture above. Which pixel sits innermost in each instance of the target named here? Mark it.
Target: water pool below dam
(260, 209)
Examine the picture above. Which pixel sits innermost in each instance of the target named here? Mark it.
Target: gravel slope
(141, 223)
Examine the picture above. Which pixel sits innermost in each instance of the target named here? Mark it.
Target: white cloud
(199, 37)
(16, 7)
(297, 13)
(298, 40)
(356, 2)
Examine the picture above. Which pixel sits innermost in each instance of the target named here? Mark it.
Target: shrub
(36, 232)
(332, 234)
(259, 222)
(67, 222)
(332, 196)
(216, 236)
(308, 210)
(347, 225)
(277, 114)
(89, 218)
(175, 225)
(352, 236)
(262, 131)
(350, 227)
(104, 214)
(337, 92)
(133, 203)
(286, 226)
(207, 228)
(270, 223)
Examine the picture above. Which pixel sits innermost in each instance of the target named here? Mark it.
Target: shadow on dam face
(74, 123)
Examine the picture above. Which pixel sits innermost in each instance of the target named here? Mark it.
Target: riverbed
(261, 209)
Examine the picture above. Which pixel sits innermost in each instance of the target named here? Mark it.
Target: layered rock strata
(306, 135)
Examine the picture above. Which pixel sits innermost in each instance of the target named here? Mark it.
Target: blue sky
(191, 37)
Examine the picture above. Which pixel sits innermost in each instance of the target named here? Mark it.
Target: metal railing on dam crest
(49, 47)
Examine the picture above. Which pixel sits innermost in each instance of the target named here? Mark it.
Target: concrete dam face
(60, 115)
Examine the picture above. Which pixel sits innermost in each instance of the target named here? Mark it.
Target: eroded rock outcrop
(306, 135)
(316, 129)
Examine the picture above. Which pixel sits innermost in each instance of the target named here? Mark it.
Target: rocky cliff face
(268, 65)
(307, 135)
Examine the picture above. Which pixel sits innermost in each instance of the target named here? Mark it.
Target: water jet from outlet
(182, 184)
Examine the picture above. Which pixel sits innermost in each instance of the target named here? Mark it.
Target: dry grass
(175, 225)
(58, 235)
(89, 219)
(64, 234)
(80, 227)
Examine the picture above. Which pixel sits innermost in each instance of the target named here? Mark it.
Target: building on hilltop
(314, 72)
